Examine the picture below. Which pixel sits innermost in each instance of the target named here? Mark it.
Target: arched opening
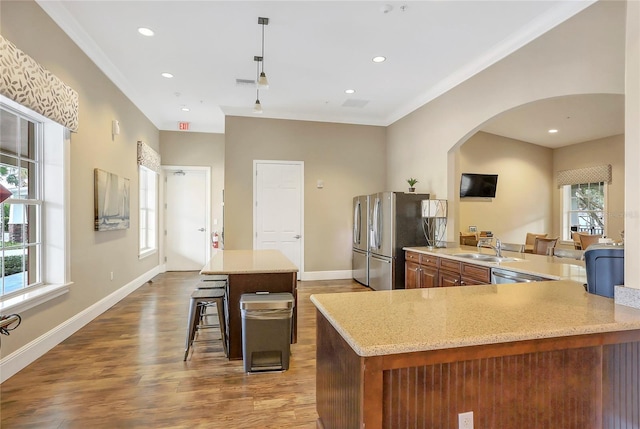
(517, 146)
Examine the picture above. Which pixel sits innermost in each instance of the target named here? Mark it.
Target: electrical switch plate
(465, 420)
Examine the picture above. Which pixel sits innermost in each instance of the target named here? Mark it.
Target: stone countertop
(248, 262)
(550, 267)
(403, 321)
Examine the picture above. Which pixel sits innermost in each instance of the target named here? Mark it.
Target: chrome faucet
(487, 242)
(497, 248)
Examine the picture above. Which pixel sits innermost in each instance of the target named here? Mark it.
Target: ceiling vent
(245, 82)
(352, 102)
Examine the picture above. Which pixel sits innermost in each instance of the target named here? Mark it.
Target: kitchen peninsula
(522, 355)
(251, 271)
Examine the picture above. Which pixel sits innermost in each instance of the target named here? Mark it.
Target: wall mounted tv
(478, 185)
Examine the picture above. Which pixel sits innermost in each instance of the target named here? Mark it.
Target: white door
(186, 218)
(278, 215)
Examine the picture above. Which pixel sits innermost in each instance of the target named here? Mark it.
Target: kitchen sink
(485, 258)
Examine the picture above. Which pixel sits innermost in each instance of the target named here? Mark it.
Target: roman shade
(26, 82)
(598, 173)
(147, 157)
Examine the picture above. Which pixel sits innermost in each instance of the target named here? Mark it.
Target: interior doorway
(187, 208)
(279, 208)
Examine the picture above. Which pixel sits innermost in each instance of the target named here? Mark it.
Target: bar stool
(199, 299)
(212, 278)
(211, 281)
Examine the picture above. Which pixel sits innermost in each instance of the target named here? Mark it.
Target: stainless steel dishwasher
(500, 276)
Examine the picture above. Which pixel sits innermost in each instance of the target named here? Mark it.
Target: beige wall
(198, 150)
(523, 197)
(609, 150)
(632, 149)
(581, 56)
(93, 254)
(349, 158)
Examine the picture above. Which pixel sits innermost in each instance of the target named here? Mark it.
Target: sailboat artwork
(111, 201)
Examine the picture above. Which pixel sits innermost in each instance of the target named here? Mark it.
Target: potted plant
(412, 182)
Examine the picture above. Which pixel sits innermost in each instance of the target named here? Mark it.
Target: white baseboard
(326, 275)
(21, 358)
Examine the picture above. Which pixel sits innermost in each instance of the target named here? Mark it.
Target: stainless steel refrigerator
(360, 242)
(395, 220)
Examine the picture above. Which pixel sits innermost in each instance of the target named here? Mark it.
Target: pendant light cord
(263, 47)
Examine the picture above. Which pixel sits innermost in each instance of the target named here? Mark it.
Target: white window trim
(563, 191)
(149, 251)
(56, 240)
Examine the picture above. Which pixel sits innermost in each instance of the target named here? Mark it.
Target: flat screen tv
(478, 185)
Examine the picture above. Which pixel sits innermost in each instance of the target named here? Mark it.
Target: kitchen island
(251, 271)
(523, 355)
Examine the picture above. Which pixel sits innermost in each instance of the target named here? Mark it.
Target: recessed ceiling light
(553, 131)
(379, 59)
(349, 91)
(184, 109)
(146, 31)
(167, 75)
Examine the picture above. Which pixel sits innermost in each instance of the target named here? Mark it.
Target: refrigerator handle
(356, 223)
(378, 222)
(372, 228)
(386, 261)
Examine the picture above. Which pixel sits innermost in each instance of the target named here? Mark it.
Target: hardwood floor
(125, 369)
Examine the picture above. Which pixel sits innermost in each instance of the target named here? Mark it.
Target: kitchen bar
(420, 357)
(251, 271)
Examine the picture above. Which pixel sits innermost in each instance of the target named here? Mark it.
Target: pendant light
(263, 83)
(257, 108)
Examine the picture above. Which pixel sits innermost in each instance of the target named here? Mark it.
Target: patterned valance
(26, 82)
(598, 173)
(147, 157)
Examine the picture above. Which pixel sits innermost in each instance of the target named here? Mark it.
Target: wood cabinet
(471, 274)
(449, 273)
(428, 276)
(411, 275)
(420, 271)
(424, 271)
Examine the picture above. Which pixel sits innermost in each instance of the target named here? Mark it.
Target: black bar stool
(215, 281)
(200, 298)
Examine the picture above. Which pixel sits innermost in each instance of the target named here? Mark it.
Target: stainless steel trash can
(266, 331)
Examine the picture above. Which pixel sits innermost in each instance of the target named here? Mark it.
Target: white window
(584, 207)
(20, 176)
(148, 211)
(33, 175)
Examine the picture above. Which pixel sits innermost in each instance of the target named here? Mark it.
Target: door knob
(297, 236)
(200, 229)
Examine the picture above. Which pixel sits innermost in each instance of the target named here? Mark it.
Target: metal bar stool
(206, 278)
(199, 299)
(214, 281)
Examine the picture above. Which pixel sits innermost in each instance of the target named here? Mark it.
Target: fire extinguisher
(214, 240)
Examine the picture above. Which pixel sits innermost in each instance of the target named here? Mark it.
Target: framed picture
(111, 208)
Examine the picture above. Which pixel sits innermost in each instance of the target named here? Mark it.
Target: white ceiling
(578, 118)
(314, 51)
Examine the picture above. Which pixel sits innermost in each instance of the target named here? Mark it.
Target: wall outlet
(465, 420)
